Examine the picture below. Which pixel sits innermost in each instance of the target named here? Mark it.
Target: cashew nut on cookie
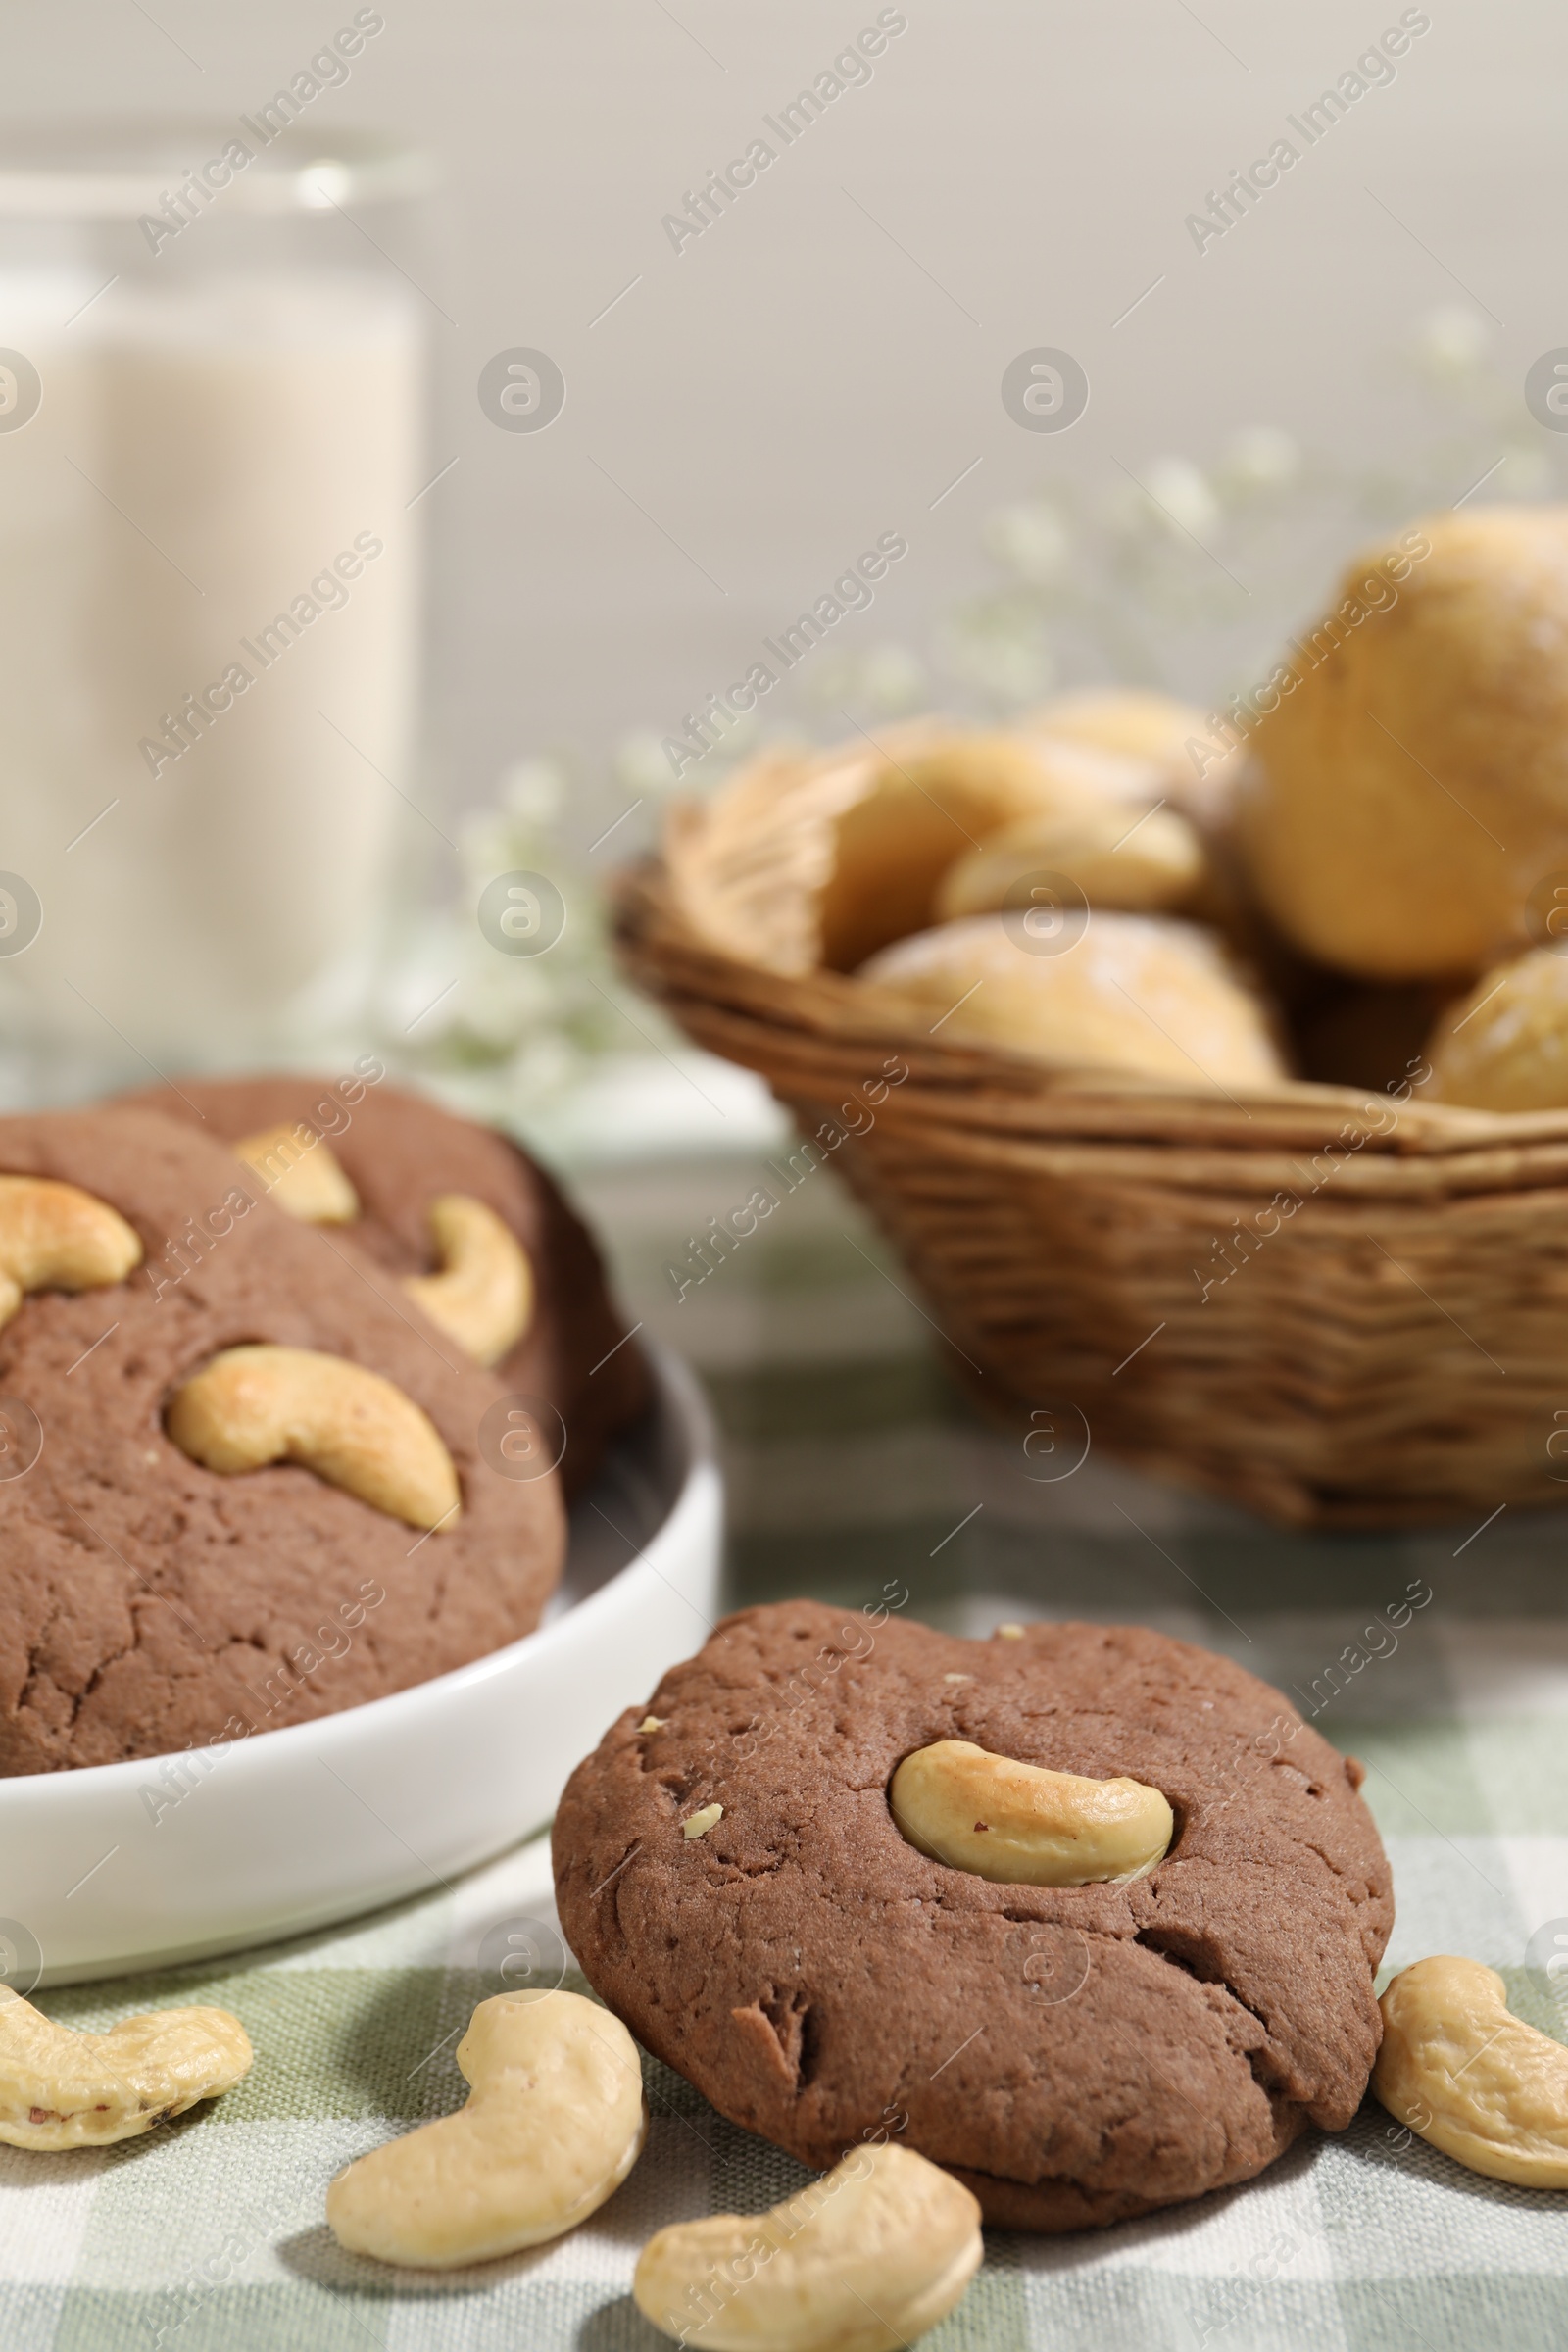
(55, 1237)
(304, 1177)
(254, 1405)
(59, 2089)
(1024, 1826)
(482, 1296)
(554, 2122)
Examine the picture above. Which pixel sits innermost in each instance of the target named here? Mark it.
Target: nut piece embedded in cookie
(255, 1405)
(1142, 2043)
(1464, 2073)
(59, 2089)
(864, 2260)
(1024, 1826)
(554, 2122)
(304, 1177)
(484, 1296)
(55, 1237)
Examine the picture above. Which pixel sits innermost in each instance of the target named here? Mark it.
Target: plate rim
(677, 1391)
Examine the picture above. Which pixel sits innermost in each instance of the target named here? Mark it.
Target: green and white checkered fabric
(851, 1463)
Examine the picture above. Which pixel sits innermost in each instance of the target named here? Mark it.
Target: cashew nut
(863, 2260)
(553, 2124)
(55, 1237)
(484, 1296)
(301, 1173)
(254, 1405)
(59, 2089)
(1024, 1826)
(1459, 2069)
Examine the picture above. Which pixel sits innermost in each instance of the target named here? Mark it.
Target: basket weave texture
(1334, 1306)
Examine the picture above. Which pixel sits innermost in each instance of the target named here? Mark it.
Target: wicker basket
(1338, 1308)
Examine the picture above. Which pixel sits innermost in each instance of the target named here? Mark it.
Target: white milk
(200, 456)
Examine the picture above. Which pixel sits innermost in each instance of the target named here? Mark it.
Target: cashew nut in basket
(1464, 2073)
(1024, 1826)
(59, 2089)
(254, 1405)
(304, 1177)
(553, 2124)
(864, 2260)
(482, 1297)
(55, 1237)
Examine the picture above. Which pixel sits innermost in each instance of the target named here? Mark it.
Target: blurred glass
(212, 425)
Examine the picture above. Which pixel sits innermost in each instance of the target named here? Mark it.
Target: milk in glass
(209, 649)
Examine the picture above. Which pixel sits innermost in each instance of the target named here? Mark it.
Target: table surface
(853, 1464)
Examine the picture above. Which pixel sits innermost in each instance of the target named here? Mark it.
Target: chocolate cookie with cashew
(1087, 1915)
(252, 1496)
(478, 1234)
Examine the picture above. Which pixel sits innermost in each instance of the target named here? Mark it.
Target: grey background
(805, 376)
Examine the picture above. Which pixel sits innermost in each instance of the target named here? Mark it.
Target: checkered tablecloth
(852, 1462)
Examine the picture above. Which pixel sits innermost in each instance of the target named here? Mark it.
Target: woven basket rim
(773, 1018)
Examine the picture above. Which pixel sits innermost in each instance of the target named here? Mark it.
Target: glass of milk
(211, 450)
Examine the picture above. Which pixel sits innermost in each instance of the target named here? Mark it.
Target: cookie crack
(1367, 1889)
(791, 2018)
(1181, 1948)
(95, 1679)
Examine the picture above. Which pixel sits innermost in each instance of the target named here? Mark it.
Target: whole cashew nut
(1024, 1826)
(554, 2122)
(302, 1174)
(55, 1237)
(864, 2260)
(1464, 2073)
(482, 1297)
(59, 2089)
(254, 1405)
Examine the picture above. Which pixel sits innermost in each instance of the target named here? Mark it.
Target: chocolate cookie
(401, 1153)
(1075, 2054)
(147, 1603)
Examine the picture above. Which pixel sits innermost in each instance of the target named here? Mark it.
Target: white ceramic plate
(289, 1829)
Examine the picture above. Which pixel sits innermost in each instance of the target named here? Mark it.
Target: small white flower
(1183, 495)
(532, 790)
(641, 763)
(1263, 457)
(892, 679)
(1031, 539)
(883, 679)
(1453, 338)
(1010, 663)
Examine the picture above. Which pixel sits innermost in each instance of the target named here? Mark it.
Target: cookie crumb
(1009, 1633)
(700, 1823)
(652, 1723)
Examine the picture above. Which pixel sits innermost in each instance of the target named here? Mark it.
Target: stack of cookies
(1354, 871)
(295, 1378)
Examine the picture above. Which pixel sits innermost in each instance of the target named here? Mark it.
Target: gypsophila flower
(1193, 577)
(640, 766)
(1182, 494)
(1031, 539)
(1452, 340)
(1262, 458)
(882, 682)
